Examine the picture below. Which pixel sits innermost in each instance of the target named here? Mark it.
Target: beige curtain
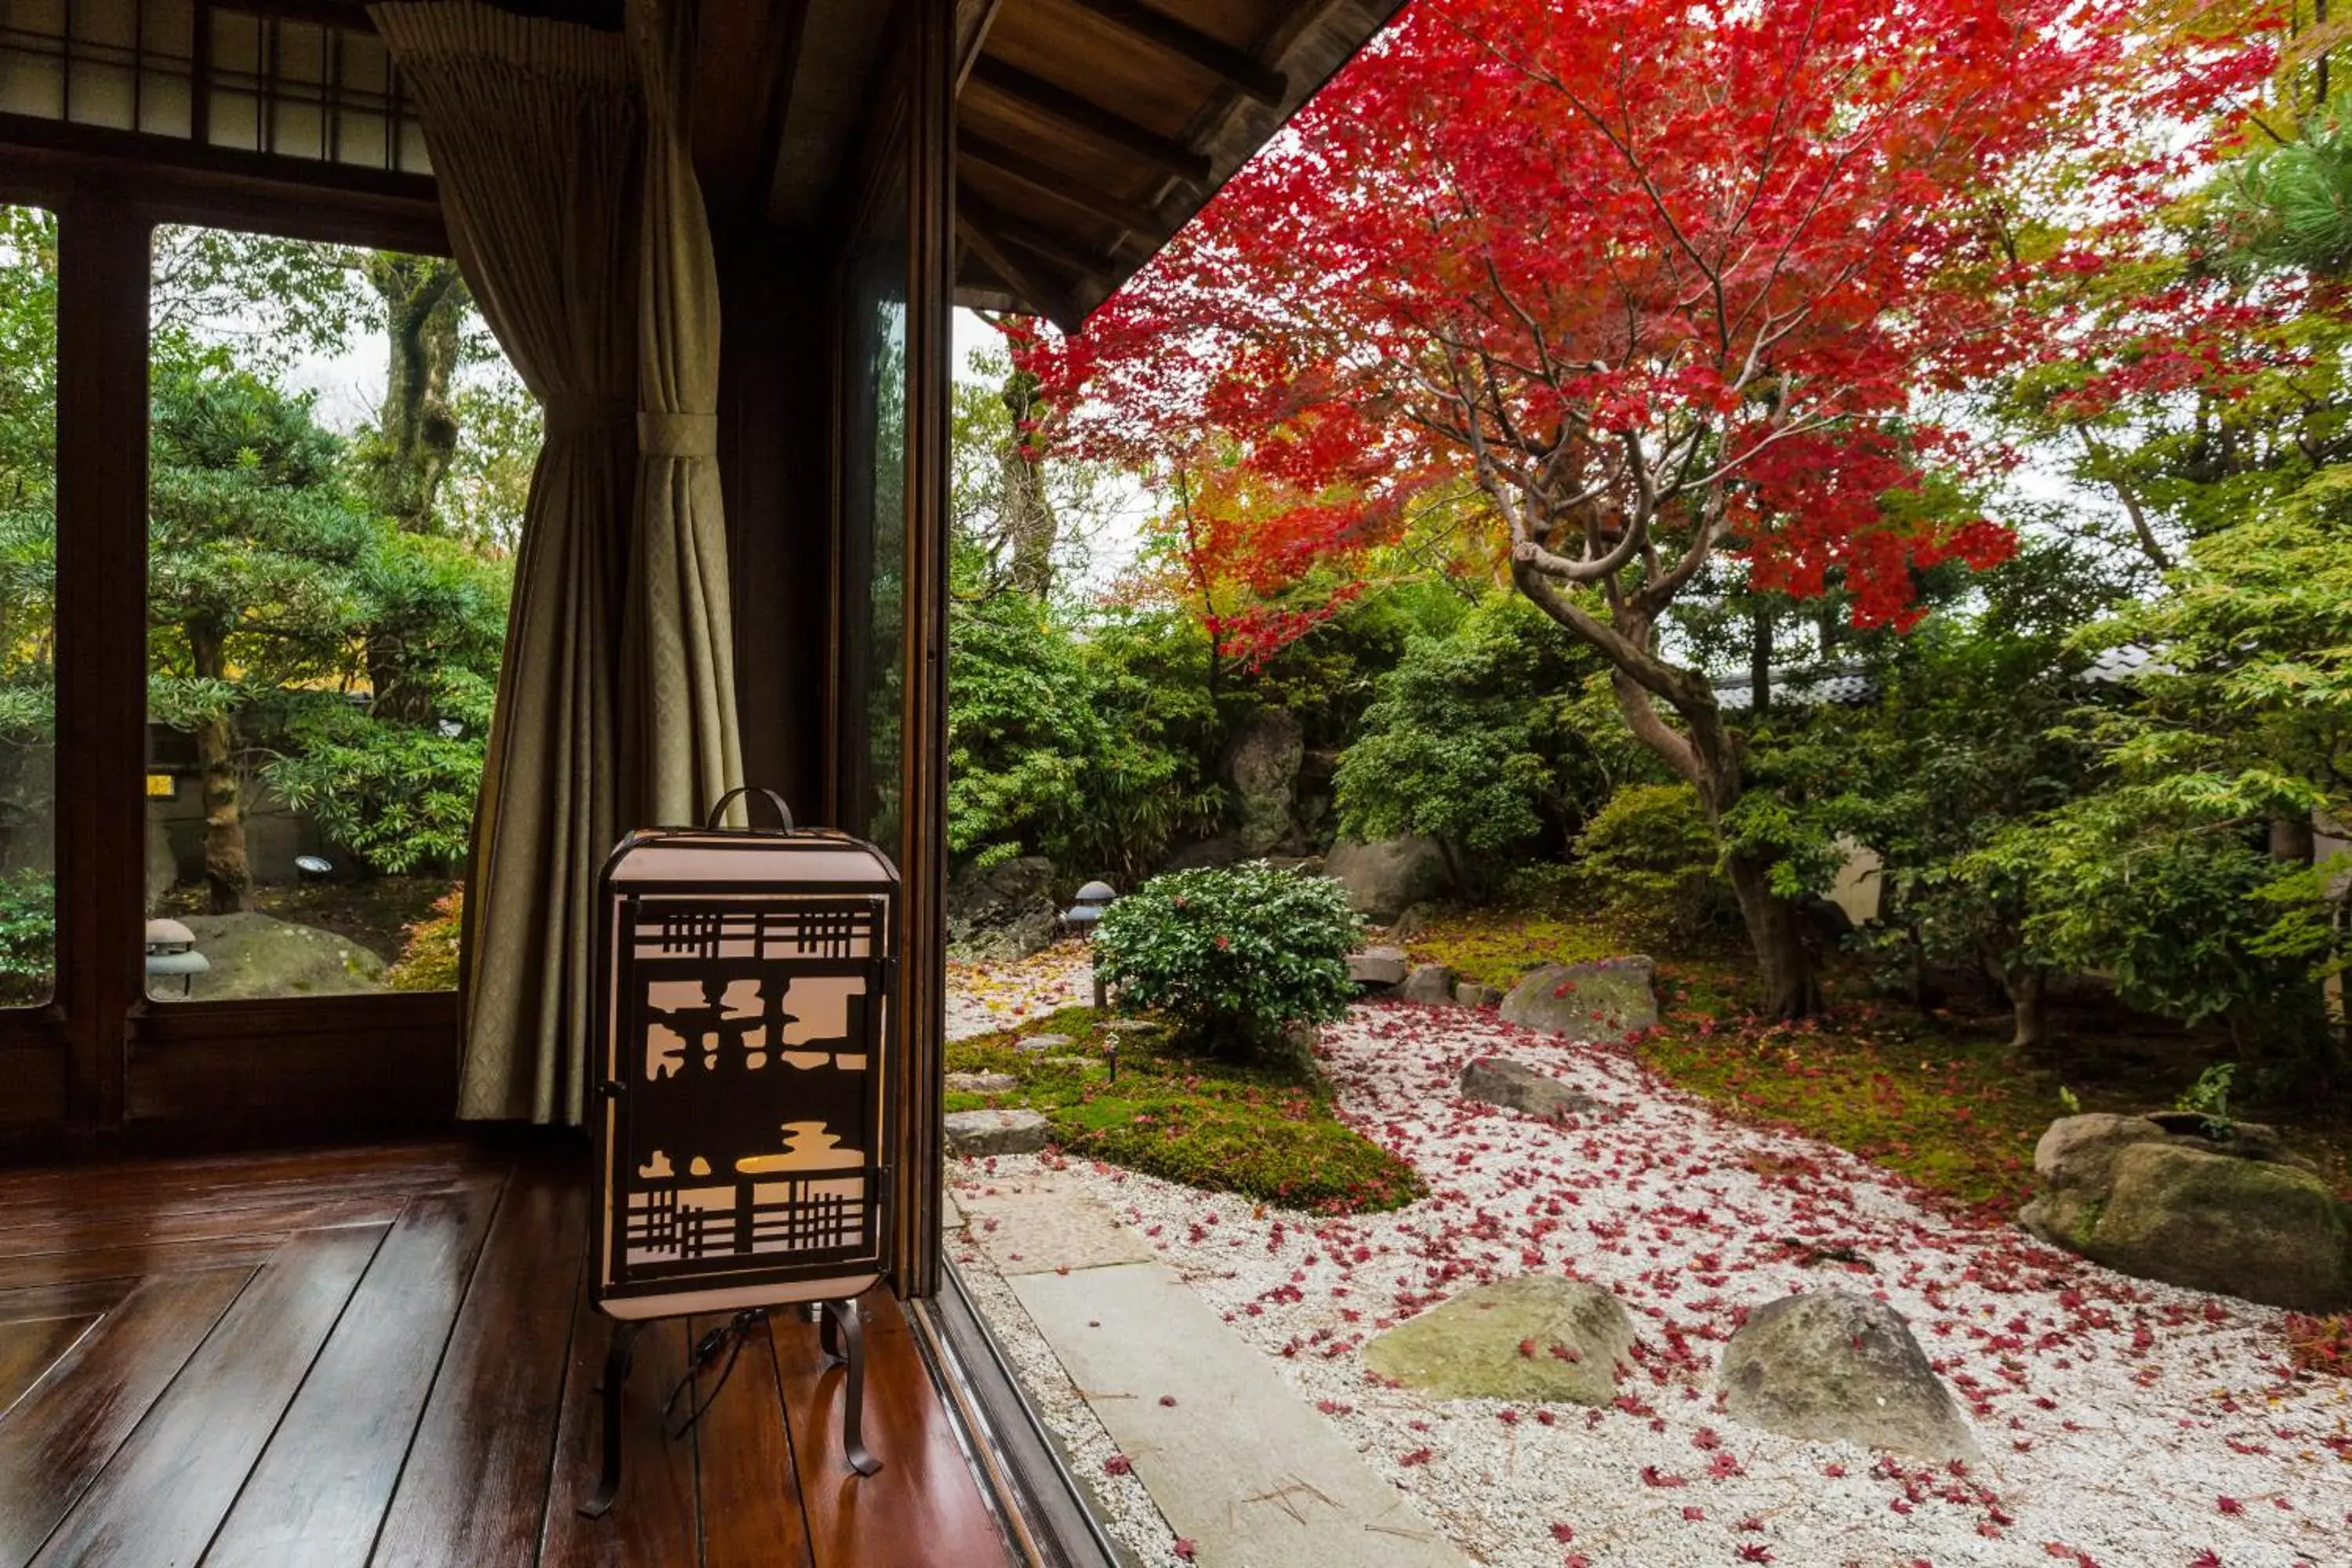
(677, 646)
(617, 699)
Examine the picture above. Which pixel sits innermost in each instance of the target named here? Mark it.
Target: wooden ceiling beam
(1040, 291)
(974, 18)
(1035, 175)
(1237, 68)
(1042, 97)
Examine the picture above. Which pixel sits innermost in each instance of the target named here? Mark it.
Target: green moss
(1265, 1131)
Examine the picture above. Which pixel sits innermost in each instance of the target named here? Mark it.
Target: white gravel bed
(2126, 1425)
(983, 997)
(1124, 1507)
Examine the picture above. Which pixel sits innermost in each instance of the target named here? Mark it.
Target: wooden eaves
(1088, 132)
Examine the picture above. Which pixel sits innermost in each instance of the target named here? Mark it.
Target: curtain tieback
(677, 435)
(586, 415)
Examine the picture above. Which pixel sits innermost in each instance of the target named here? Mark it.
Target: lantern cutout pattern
(746, 983)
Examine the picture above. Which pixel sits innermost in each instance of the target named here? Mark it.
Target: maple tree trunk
(1029, 524)
(2027, 989)
(1792, 988)
(415, 435)
(228, 876)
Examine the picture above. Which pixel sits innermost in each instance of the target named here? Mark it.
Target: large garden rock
(1430, 982)
(1532, 1338)
(2223, 1208)
(254, 955)
(1386, 878)
(1833, 1366)
(1001, 912)
(1262, 764)
(977, 1133)
(1597, 1001)
(1515, 1086)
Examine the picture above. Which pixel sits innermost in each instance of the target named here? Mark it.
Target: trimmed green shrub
(1648, 857)
(1230, 955)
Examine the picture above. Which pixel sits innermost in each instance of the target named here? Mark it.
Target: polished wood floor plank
(924, 1491)
(748, 1490)
(57, 1439)
(206, 1224)
(319, 1494)
(167, 1487)
(43, 1192)
(652, 1525)
(65, 1299)
(30, 1347)
(475, 1486)
(60, 1269)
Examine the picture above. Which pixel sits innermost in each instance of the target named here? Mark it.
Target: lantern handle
(718, 811)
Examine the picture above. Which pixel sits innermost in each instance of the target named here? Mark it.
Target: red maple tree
(1667, 279)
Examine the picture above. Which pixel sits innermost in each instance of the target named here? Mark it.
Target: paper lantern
(746, 981)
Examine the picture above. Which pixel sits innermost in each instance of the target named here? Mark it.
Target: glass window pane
(28, 359)
(874, 517)
(338, 461)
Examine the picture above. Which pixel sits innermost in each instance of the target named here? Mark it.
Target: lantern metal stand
(745, 986)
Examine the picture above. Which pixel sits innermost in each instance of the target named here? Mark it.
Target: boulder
(1597, 1001)
(1225, 850)
(1430, 982)
(1381, 966)
(1833, 1366)
(1388, 877)
(1261, 764)
(1515, 1086)
(981, 1082)
(1532, 1338)
(977, 1133)
(1466, 994)
(2214, 1207)
(2269, 1232)
(252, 955)
(1001, 912)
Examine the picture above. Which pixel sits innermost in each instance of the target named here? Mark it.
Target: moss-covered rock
(1598, 1001)
(2222, 1207)
(2267, 1232)
(1534, 1338)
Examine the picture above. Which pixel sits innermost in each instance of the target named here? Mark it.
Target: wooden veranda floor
(384, 1356)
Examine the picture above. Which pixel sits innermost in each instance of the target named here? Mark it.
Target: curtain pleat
(534, 131)
(677, 643)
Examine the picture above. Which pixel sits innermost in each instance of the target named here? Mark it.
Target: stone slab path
(1237, 1462)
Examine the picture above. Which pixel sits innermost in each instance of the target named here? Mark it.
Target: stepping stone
(1080, 1063)
(1515, 1086)
(1239, 1463)
(1467, 995)
(1045, 1225)
(1039, 1044)
(1537, 1337)
(976, 1133)
(1377, 967)
(981, 1082)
